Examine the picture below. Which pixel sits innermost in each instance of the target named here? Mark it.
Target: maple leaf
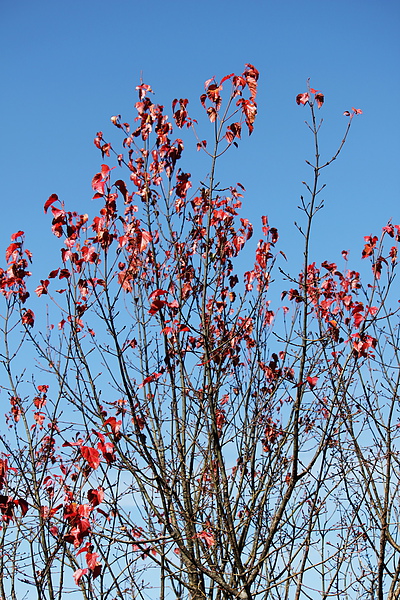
(226, 78)
(7, 508)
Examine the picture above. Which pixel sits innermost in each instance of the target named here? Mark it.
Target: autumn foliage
(171, 431)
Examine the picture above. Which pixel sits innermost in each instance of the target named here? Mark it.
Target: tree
(178, 436)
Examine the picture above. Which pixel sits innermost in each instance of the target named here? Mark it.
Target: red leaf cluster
(305, 97)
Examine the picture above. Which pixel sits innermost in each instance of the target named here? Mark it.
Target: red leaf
(98, 184)
(97, 140)
(249, 108)
(207, 537)
(183, 184)
(88, 254)
(156, 305)
(369, 246)
(302, 98)
(11, 249)
(28, 318)
(78, 575)
(105, 149)
(122, 188)
(226, 78)
(3, 471)
(105, 170)
(53, 198)
(319, 98)
(91, 455)
(358, 319)
(86, 548)
(157, 293)
(22, 503)
(393, 254)
(96, 497)
(212, 114)
(233, 130)
(312, 381)
(114, 424)
(91, 560)
(145, 238)
(251, 75)
(39, 418)
(220, 419)
(149, 379)
(16, 235)
(42, 289)
(107, 450)
(143, 89)
(213, 92)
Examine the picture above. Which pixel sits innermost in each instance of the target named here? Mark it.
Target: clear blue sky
(68, 66)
